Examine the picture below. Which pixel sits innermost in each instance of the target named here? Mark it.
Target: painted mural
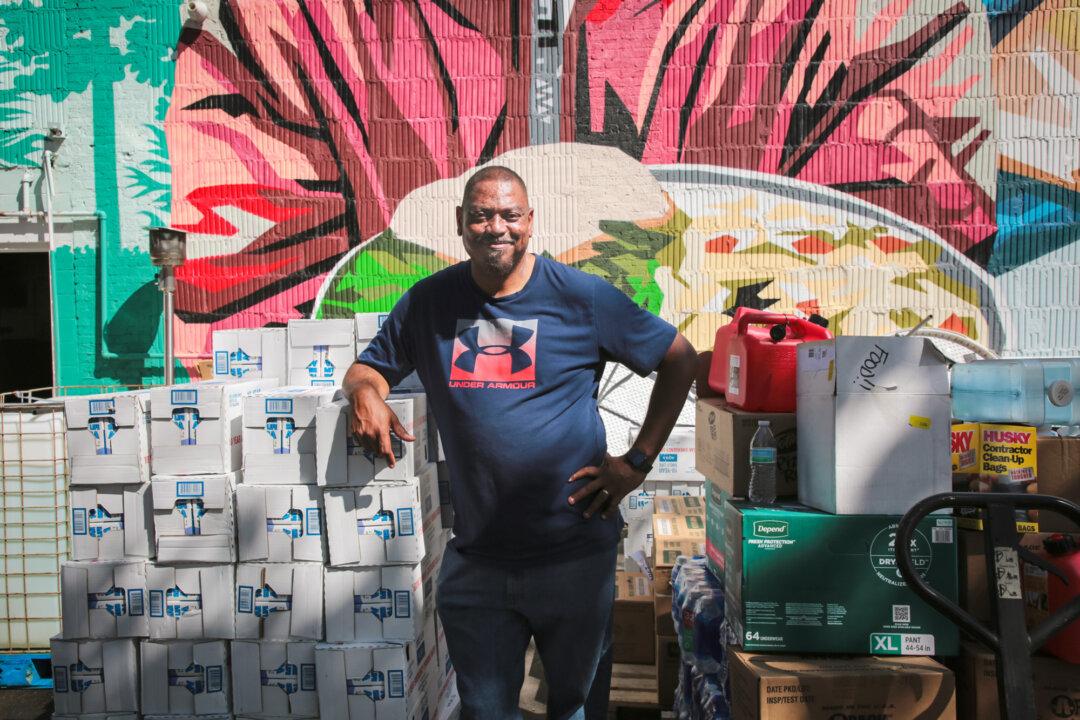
(872, 161)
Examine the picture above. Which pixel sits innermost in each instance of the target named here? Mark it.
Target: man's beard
(499, 264)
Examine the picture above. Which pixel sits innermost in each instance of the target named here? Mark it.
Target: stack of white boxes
(160, 620)
(197, 455)
(384, 656)
(320, 352)
(282, 548)
(103, 590)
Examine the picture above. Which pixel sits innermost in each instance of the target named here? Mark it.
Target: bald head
(493, 172)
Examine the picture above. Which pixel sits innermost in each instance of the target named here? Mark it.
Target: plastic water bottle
(1029, 392)
(763, 465)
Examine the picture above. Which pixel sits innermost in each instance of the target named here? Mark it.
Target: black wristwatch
(638, 460)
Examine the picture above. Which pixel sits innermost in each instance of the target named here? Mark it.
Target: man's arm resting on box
(616, 478)
(370, 419)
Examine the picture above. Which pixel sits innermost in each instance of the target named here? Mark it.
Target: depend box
(250, 353)
(320, 351)
(377, 681)
(274, 679)
(190, 603)
(873, 418)
(383, 523)
(181, 677)
(780, 687)
(280, 523)
(108, 438)
(196, 428)
(193, 518)
(111, 522)
(279, 601)
(279, 435)
(676, 460)
(343, 462)
(103, 599)
(802, 581)
(94, 676)
(370, 604)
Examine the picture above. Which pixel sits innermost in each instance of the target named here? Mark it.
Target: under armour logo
(519, 359)
(500, 350)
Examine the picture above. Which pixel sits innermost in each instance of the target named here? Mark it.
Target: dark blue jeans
(489, 613)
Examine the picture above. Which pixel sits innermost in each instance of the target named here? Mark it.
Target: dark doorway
(25, 322)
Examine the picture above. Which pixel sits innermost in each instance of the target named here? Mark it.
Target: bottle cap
(763, 423)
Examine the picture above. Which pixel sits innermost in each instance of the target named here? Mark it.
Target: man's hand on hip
(611, 482)
(371, 420)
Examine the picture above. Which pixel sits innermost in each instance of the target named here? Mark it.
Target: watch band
(638, 460)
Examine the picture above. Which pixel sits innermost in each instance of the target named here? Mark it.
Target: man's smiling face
(495, 224)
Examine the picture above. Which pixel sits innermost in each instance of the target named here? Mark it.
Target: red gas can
(1065, 555)
(755, 366)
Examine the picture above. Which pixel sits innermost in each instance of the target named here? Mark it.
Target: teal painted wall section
(102, 73)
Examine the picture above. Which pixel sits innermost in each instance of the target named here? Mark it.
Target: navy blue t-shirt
(512, 383)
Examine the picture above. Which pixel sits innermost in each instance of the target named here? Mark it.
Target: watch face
(637, 460)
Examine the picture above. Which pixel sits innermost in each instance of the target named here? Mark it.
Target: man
(510, 348)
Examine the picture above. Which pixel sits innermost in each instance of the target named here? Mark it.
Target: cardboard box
(197, 428)
(668, 665)
(111, 522)
(377, 681)
(722, 442)
(874, 419)
(190, 603)
(371, 604)
(250, 353)
(274, 679)
(181, 677)
(342, 462)
(780, 687)
(798, 580)
(383, 523)
(103, 600)
(442, 471)
(676, 459)
(193, 518)
(280, 523)
(1059, 474)
(279, 435)
(674, 535)
(320, 351)
(633, 622)
(663, 621)
(1057, 686)
(966, 457)
(92, 676)
(279, 601)
(108, 438)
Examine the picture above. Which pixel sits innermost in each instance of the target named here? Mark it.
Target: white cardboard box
(182, 677)
(190, 603)
(383, 523)
(280, 523)
(274, 679)
(193, 518)
(279, 601)
(111, 522)
(377, 681)
(343, 462)
(370, 604)
(873, 421)
(320, 351)
(675, 462)
(196, 428)
(279, 435)
(94, 676)
(108, 438)
(103, 600)
(251, 353)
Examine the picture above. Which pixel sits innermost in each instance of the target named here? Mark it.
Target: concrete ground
(25, 704)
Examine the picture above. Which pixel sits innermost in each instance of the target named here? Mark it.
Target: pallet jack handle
(1010, 640)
